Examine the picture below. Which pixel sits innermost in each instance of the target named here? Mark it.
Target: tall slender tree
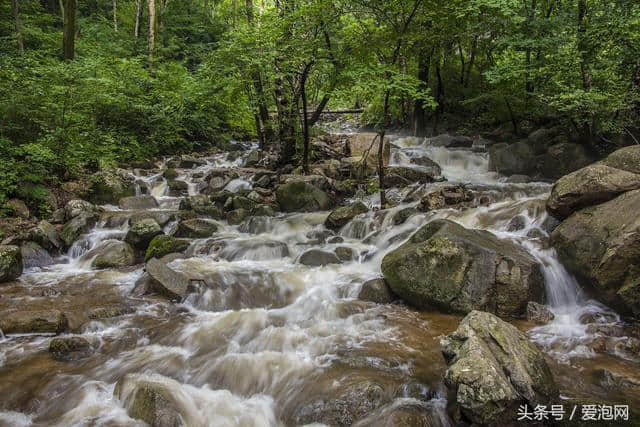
(18, 25)
(69, 30)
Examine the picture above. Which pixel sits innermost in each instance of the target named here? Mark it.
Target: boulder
(137, 203)
(344, 253)
(111, 254)
(170, 174)
(161, 217)
(411, 175)
(165, 281)
(445, 197)
(564, 158)
(33, 255)
(33, 321)
(493, 369)
(601, 246)
(10, 263)
(20, 209)
(541, 139)
(70, 348)
(196, 228)
(162, 245)
(361, 143)
(301, 196)
(109, 186)
(376, 290)
(318, 258)
(339, 217)
(187, 162)
(589, 186)
(518, 179)
(450, 141)
(46, 235)
(403, 215)
(150, 398)
(252, 158)
(177, 188)
(75, 228)
(431, 167)
(455, 269)
(518, 158)
(539, 313)
(142, 232)
(76, 207)
(627, 159)
(237, 216)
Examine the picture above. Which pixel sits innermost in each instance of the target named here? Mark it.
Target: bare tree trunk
(18, 25)
(419, 113)
(305, 117)
(152, 30)
(69, 30)
(115, 15)
(439, 98)
(381, 135)
(462, 63)
(585, 64)
(472, 60)
(136, 29)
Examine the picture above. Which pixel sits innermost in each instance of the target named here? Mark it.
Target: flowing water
(270, 342)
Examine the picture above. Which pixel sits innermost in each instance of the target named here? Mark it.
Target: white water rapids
(271, 340)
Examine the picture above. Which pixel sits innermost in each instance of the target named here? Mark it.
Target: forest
(369, 213)
(87, 85)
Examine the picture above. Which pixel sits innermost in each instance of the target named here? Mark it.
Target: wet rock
(252, 158)
(77, 207)
(410, 175)
(335, 239)
(514, 159)
(339, 217)
(518, 179)
(614, 381)
(432, 167)
(406, 414)
(138, 203)
(447, 266)
(601, 246)
(109, 312)
(177, 188)
(75, 228)
(202, 205)
(33, 255)
(403, 215)
(188, 162)
(517, 223)
(564, 158)
(70, 348)
(149, 398)
(301, 196)
(46, 235)
(318, 258)
(251, 249)
(162, 218)
(256, 224)
(170, 174)
(589, 186)
(376, 290)
(236, 216)
(368, 143)
(58, 216)
(447, 196)
(217, 183)
(344, 407)
(450, 141)
(318, 237)
(263, 181)
(196, 228)
(163, 245)
(142, 232)
(264, 210)
(493, 368)
(109, 186)
(626, 159)
(344, 253)
(11, 264)
(240, 202)
(111, 254)
(539, 313)
(33, 321)
(19, 208)
(432, 201)
(165, 281)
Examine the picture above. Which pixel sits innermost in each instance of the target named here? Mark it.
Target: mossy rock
(339, 217)
(142, 233)
(164, 245)
(109, 186)
(10, 263)
(301, 196)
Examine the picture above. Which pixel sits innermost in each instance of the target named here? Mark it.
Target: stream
(272, 342)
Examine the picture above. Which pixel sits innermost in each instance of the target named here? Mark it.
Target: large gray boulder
(564, 158)
(109, 186)
(142, 233)
(33, 321)
(589, 186)
(302, 196)
(164, 245)
(34, 255)
(318, 258)
(10, 263)
(601, 246)
(46, 235)
(138, 202)
(196, 228)
(339, 217)
(450, 141)
(75, 207)
(449, 267)
(514, 159)
(627, 159)
(153, 399)
(168, 282)
(399, 176)
(78, 226)
(493, 369)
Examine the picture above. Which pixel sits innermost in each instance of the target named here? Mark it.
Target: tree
(18, 25)
(69, 30)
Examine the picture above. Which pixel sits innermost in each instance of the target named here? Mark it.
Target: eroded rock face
(11, 264)
(455, 269)
(149, 398)
(493, 368)
(589, 186)
(339, 217)
(601, 246)
(302, 196)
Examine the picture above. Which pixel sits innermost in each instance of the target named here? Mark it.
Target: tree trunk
(472, 60)
(419, 113)
(136, 29)
(462, 63)
(585, 65)
(152, 30)
(439, 98)
(305, 118)
(69, 30)
(381, 135)
(115, 15)
(18, 25)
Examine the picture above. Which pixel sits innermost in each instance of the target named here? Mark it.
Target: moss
(109, 187)
(170, 174)
(10, 263)
(302, 196)
(164, 245)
